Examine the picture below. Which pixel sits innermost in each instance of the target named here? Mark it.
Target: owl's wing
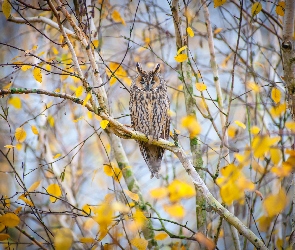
(161, 120)
(138, 107)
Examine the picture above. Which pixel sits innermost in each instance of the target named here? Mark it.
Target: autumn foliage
(71, 175)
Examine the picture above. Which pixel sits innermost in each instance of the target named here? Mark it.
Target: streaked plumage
(149, 104)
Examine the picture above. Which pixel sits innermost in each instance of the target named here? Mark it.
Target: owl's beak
(148, 87)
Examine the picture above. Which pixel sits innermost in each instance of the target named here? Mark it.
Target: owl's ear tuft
(139, 68)
(157, 68)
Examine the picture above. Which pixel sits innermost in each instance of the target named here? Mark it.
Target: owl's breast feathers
(149, 112)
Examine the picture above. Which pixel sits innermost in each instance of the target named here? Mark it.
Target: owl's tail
(153, 157)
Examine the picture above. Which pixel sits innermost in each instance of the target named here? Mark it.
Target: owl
(149, 105)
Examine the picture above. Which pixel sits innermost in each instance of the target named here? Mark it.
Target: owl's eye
(153, 82)
(142, 82)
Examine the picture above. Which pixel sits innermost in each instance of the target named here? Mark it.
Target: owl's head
(148, 81)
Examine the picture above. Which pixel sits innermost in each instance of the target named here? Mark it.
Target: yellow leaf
(15, 102)
(233, 184)
(6, 8)
(127, 80)
(290, 152)
(119, 69)
(117, 174)
(180, 190)
(9, 146)
(231, 131)
(218, 3)
(16, 62)
(48, 67)
(159, 193)
(262, 144)
(290, 125)
(201, 86)
(89, 224)
(112, 81)
(4, 237)
(139, 243)
(117, 17)
(275, 155)
(240, 124)
(63, 239)
(108, 199)
(57, 90)
(279, 243)
(87, 240)
(86, 99)
(87, 209)
(55, 190)
(104, 217)
(34, 186)
(9, 220)
(181, 49)
(18, 146)
(26, 67)
(108, 170)
(204, 241)
(50, 120)
(253, 86)
(191, 124)
(37, 74)
(104, 124)
(218, 30)
(41, 53)
(34, 130)
(190, 32)
(16, 211)
(161, 236)
(56, 156)
(278, 110)
(244, 159)
(89, 114)
(139, 221)
(175, 210)
(133, 196)
(275, 203)
(256, 8)
(20, 134)
(6, 202)
(79, 91)
(27, 201)
(54, 50)
(2, 227)
(276, 95)
(258, 168)
(255, 130)
(264, 223)
(280, 8)
(95, 43)
(180, 58)
(283, 171)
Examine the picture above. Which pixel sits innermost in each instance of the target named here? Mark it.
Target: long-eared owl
(149, 105)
